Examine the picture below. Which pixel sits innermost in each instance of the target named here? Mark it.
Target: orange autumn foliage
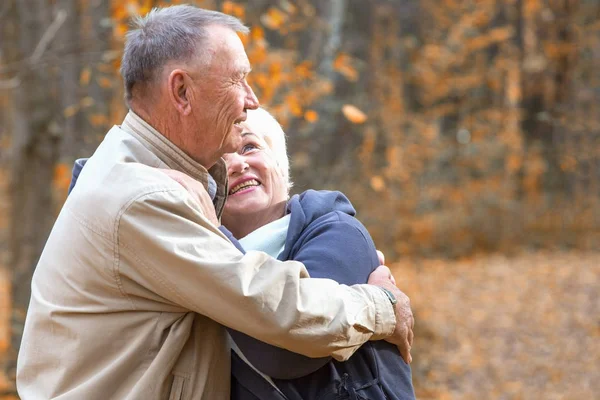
(442, 75)
(354, 114)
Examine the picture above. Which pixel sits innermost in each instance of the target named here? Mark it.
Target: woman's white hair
(263, 124)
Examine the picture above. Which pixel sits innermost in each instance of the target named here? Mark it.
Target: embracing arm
(170, 253)
(340, 249)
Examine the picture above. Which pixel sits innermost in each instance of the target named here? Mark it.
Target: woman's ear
(180, 91)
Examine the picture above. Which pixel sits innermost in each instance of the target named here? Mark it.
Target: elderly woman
(310, 227)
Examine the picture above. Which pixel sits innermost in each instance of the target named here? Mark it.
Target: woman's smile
(244, 185)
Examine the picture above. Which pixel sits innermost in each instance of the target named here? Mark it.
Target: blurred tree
(29, 30)
(59, 103)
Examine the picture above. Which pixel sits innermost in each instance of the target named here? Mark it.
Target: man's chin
(231, 147)
(236, 131)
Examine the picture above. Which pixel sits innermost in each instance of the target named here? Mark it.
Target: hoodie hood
(309, 206)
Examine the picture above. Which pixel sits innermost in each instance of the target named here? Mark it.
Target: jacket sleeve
(168, 252)
(342, 250)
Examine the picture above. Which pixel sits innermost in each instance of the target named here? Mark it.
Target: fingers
(408, 342)
(410, 326)
(383, 270)
(404, 349)
(380, 275)
(197, 191)
(179, 178)
(381, 257)
(404, 353)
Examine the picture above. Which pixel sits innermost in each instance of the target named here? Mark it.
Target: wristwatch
(390, 296)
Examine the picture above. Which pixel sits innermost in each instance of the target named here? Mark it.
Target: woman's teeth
(243, 185)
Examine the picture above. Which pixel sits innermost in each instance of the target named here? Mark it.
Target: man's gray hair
(168, 34)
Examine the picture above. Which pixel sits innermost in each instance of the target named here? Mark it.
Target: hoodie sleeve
(77, 167)
(232, 239)
(336, 246)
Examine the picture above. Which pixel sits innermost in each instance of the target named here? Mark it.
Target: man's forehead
(220, 38)
(228, 49)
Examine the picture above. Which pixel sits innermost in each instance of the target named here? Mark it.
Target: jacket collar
(176, 159)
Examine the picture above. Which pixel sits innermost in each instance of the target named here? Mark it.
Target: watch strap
(390, 296)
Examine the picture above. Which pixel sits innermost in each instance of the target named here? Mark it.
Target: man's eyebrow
(249, 133)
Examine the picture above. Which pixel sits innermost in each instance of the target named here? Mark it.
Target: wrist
(385, 314)
(392, 298)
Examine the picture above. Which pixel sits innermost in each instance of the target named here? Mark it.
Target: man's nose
(251, 99)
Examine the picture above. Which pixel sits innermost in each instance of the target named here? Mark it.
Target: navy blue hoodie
(324, 235)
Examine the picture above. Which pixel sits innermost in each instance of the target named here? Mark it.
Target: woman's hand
(198, 193)
(403, 334)
(381, 257)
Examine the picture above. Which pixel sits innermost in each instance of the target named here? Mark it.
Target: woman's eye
(248, 147)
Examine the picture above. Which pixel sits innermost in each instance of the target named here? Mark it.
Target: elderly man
(136, 282)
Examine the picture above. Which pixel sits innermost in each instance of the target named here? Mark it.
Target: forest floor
(498, 327)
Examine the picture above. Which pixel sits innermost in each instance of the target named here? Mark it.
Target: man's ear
(179, 91)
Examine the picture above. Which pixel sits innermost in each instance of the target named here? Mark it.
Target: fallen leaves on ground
(499, 327)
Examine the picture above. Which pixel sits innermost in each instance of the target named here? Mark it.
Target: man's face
(221, 96)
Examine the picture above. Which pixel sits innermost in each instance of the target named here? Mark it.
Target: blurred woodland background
(466, 133)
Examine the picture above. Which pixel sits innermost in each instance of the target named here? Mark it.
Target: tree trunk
(93, 120)
(33, 155)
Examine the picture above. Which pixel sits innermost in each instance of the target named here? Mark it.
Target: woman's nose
(236, 164)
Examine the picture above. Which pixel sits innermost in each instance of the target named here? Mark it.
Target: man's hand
(198, 193)
(403, 334)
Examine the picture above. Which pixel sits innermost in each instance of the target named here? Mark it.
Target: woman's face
(256, 182)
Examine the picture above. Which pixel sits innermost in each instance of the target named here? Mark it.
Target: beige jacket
(134, 286)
